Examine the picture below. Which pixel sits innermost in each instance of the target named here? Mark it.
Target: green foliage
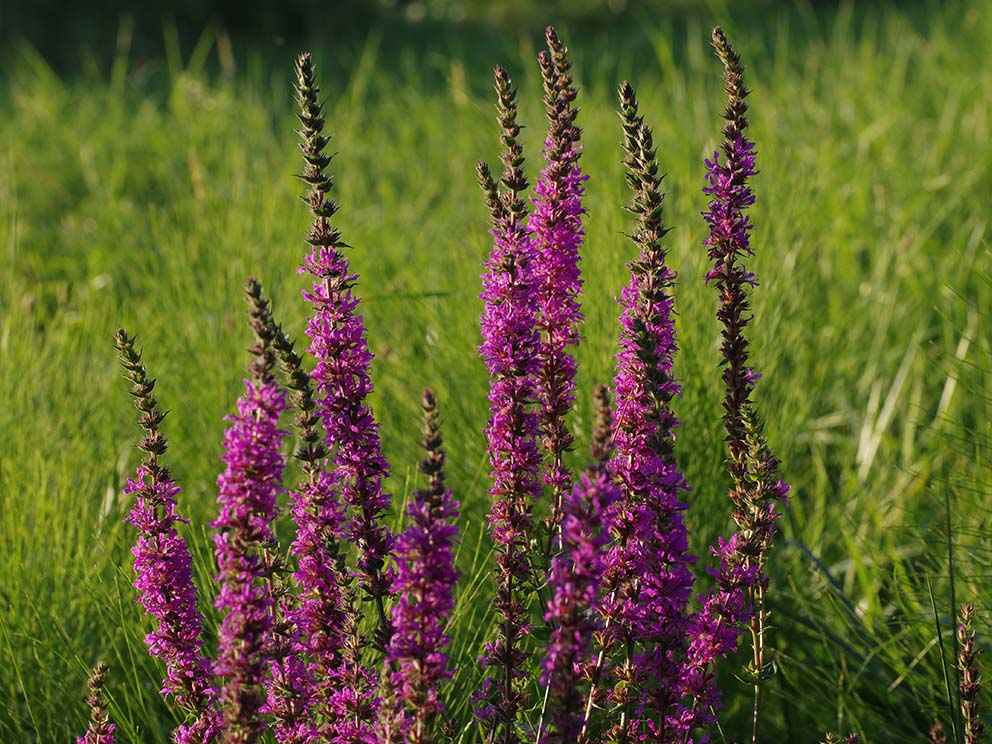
(144, 195)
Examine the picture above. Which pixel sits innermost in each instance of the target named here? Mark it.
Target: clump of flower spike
(756, 490)
(164, 569)
(100, 729)
(341, 377)
(509, 348)
(303, 623)
(556, 230)
(244, 542)
(970, 687)
(344, 686)
(425, 582)
(572, 611)
(648, 580)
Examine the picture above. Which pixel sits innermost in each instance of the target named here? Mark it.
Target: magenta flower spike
(164, 569)
(556, 231)
(509, 347)
(756, 491)
(573, 609)
(100, 729)
(320, 689)
(244, 541)
(341, 377)
(648, 581)
(304, 640)
(425, 585)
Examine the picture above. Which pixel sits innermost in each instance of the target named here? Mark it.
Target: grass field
(143, 193)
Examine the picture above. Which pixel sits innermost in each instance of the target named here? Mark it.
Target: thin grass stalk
(948, 686)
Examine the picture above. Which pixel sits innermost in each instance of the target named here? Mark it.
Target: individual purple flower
(648, 581)
(341, 376)
(425, 585)
(100, 729)
(164, 569)
(244, 540)
(572, 611)
(509, 348)
(756, 491)
(556, 231)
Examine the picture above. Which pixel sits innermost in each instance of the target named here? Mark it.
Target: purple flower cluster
(556, 231)
(247, 499)
(164, 579)
(756, 490)
(163, 568)
(425, 582)
(509, 348)
(341, 377)
(342, 382)
(648, 578)
(316, 613)
(626, 661)
(572, 611)
(341, 687)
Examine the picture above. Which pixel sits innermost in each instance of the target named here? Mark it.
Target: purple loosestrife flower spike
(289, 686)
(310, 695)
(556, 231)
(648, 580)
(164, 569)
(509, 348)
(245, 543)
(338, 343)
(971, 683)
(425, 584)
(572, 611)
(100, 729)
(755, 489)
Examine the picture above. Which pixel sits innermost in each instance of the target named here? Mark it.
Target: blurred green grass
(142, 190)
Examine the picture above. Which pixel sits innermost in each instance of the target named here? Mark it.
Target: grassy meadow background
(146, 170)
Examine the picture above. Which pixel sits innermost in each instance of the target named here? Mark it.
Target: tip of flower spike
(626, 91)
(513, 178)
(733, 75)
(558, 51)
(263, 325)
(502, 78)
(491, 191)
